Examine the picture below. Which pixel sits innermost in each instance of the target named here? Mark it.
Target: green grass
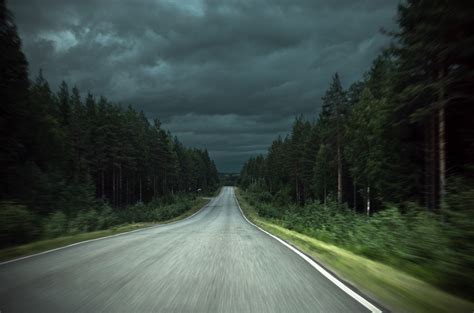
(44, 245)
(397, 290)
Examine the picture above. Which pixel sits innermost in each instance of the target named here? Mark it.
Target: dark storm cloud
(226, 75)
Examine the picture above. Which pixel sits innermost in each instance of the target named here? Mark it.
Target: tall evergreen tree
(15, 115)
(64, 106)
(331, 120)
(434, 50)
(365, 146)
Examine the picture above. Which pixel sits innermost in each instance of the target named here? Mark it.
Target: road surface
(214, 261)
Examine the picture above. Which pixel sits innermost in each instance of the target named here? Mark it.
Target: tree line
(402, 133)
(60, 151)
(386, 168)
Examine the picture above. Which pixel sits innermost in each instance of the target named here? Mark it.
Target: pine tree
(275, 175)
(64, 106)
(296, 157)
(14, 111)
(54, 149)
(434, 50)
(331, 120)
(365, 146)
(322, 173)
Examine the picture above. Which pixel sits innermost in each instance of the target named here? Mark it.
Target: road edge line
(315, 265)
(106, 237)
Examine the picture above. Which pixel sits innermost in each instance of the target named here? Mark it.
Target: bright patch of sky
(62, 41)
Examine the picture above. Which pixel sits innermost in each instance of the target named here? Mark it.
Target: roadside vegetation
(385, 171)
(59, 230)
(401, 285)
(72, 163)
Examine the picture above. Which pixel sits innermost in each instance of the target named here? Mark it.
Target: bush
(264, 197)
(283, 197)
(55, 225)
(256, 187)
(20, 226)
(268, 210)
(459, 215)
(85, 221)
(107, 217)
(137, 213)
(167, 199)
(17, 225)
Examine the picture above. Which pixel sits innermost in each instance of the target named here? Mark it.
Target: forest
(386, 167)
(72, 164)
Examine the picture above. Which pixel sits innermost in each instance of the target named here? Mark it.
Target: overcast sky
(229, 76)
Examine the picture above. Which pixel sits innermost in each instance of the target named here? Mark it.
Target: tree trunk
(113, 186)
(339, 158)
(368, 201)
(296, 191)
(339, 174)
(97, 186)
(434, 163)
(355, 197)
(431, 162)
(163, 186)
(133, 190)
(441, 149)
(103, 185)
(325, 195)
(120, 186)
(427, 164)
(127, 195)
(140, 189)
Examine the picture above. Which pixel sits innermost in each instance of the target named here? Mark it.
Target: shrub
(20, 226)
(459, 211)
(283, 197)
(17, 225)
(264, 197)
(85, 221)
(167, 199)
(107, 217)
(55, 225)
(268, 210)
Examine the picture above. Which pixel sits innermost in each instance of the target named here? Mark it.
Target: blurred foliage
(438, 248)
(19, 225)
(55, 225)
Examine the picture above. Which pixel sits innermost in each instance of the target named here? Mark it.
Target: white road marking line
(318, 267)
(101, 238)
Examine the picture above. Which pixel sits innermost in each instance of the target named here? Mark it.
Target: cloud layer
(226, 75)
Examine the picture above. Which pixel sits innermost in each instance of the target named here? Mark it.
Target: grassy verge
(44, 245)
(397, 290)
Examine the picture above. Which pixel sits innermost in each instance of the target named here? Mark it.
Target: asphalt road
(212, 262)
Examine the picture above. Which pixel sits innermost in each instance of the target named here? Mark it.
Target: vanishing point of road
(214, 261)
